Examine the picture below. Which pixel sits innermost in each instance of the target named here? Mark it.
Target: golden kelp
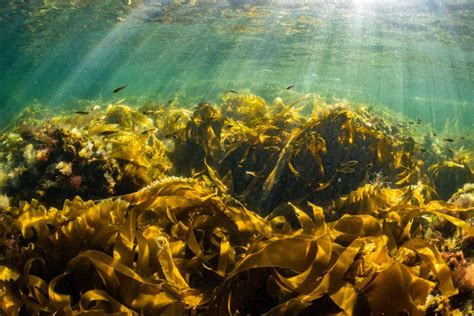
(177, 245)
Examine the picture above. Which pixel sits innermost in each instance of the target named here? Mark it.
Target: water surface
(414, 57)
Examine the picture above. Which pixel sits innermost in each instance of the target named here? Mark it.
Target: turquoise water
(414, 57)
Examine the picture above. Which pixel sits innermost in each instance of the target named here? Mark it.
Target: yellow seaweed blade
(411, 291)
(10, 302)
(273, 253)
(92, 297)
(278, 169)
(332, 282)
(216, 179)
(7, 274)
(430, 255)
(369, 199)
(307, 281)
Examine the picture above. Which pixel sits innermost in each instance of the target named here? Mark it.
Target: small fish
(119, 89)
(418, 120)
(450, 140)
(400, 125)
(171, 135)
(345, 170)
(107, 133)
(82, 112)
(251, 173)
(350, 163)
(462, 138)
(289, 87)
(450, 150)
(147, 131)
(422, 150)
(411, 122)
(434, 134)
(233, 91)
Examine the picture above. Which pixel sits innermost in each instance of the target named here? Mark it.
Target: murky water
(415, 57)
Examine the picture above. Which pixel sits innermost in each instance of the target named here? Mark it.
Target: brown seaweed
(177, 245)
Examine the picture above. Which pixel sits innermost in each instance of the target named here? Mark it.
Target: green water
(414, 57)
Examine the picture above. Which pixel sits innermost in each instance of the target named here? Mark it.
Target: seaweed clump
(178, 246)
(245, 208)
(268, 155)
(94, 155)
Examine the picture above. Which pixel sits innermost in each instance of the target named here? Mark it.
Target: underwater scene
(236, 157)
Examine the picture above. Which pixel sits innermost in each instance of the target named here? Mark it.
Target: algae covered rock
(93, 154)
(448, 176)
(464, 197)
